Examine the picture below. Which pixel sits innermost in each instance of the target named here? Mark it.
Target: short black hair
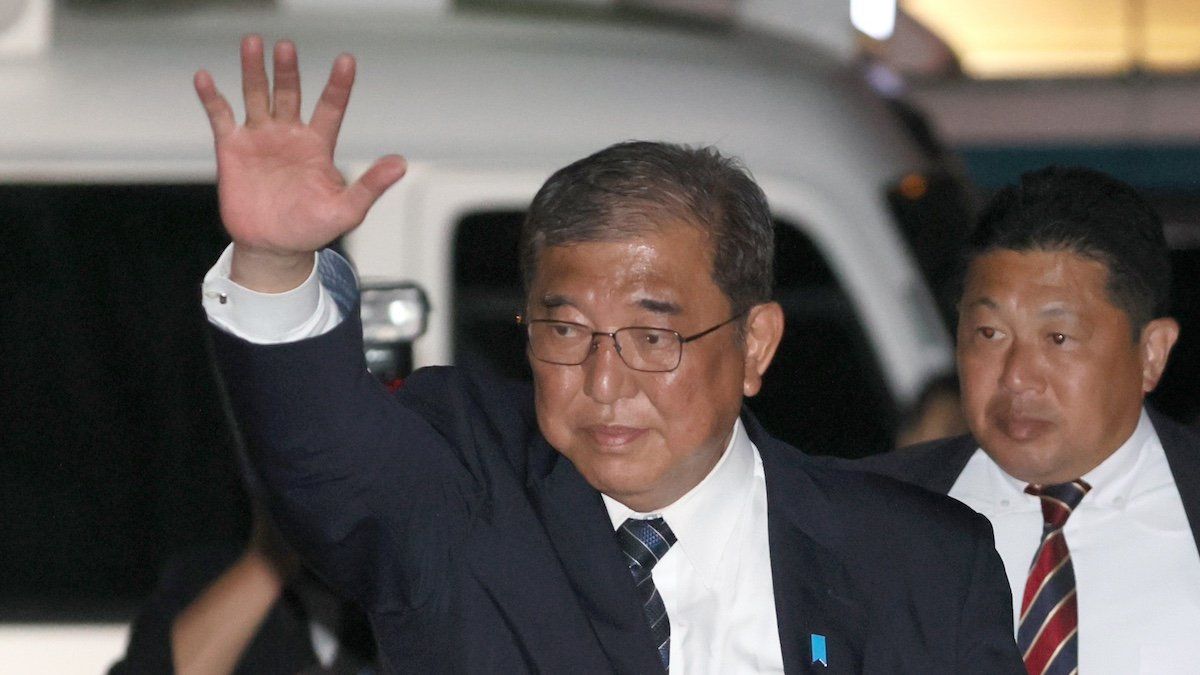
(1093, 215)
(632, 187)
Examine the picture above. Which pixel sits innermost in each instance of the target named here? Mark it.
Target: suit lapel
(1182, 448)
(581, 532)
(815, 597)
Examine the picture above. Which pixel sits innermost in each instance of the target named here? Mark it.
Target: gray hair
(629, 188)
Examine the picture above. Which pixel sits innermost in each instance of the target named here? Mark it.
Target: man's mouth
(613, 436)
(1021, 427)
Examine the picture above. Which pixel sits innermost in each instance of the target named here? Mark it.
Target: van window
(488, 295)
(934, 212)
(825, 392)
(1177, 394)
(116, 449)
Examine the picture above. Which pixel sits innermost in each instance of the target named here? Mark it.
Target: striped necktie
(1048, 635)
(645, 542)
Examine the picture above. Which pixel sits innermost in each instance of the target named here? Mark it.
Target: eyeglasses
(650, 350)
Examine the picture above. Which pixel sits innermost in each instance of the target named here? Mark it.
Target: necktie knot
(1059, 500)
(645, 542)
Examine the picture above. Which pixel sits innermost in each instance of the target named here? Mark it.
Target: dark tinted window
(935, 215)
(1177, 394)
(115, 449)
(488, 295)
(824, 392)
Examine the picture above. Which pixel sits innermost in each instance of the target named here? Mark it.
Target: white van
(486, 107)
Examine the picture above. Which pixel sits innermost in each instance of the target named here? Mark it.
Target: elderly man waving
(625, 514)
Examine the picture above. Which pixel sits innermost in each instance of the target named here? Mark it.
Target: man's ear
(763, 331)
(1154, 347)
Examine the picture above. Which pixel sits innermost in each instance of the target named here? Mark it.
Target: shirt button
(1004, 503)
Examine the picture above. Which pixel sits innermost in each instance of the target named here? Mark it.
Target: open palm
(281, 196)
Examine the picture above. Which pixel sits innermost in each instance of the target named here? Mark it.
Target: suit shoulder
(438, 385)
(1167, 428)
(456, 399)
(893, 462)
(881, 501)
(933, 465)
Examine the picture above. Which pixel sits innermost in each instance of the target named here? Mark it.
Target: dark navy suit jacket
(476, 547)
(936, 465)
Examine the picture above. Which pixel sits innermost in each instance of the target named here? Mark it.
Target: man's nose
(606, 377)
(1023, 368)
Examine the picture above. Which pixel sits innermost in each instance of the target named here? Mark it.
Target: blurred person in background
(937, 414)
(1094, 497)
(251, 610)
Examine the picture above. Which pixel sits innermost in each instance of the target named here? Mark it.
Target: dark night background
(116, 448)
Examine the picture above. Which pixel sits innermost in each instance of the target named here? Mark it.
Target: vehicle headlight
(393, 312)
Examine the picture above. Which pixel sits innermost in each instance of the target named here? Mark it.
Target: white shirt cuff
(267, 318)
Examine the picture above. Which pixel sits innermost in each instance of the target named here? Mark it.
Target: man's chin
(633, 489)
(612, 475)
(1031, 461)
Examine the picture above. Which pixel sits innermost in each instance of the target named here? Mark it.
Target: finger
(331, 107)
(220, 115)
(362, 193)
(287, 82)
(254, 80)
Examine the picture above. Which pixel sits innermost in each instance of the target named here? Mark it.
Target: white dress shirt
(267, 318)
(715, 581)
(1137, 569)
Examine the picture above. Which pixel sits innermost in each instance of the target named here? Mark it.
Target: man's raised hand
(281, 196)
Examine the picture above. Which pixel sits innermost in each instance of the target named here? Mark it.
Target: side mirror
(394, 314)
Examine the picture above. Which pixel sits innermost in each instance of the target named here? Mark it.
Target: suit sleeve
(372, 495)
(986, 643)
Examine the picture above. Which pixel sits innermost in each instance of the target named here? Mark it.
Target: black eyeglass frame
(595, 343)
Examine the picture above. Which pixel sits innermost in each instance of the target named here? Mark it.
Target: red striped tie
(1049, 632)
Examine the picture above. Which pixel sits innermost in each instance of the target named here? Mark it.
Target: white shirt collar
(704, 518)
(1114, 481)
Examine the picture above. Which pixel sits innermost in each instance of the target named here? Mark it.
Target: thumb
(362, 193)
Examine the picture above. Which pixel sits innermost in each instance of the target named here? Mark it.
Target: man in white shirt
(625, 514)
(1095, 500)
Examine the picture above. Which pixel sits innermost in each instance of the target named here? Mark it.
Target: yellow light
(913, 186)
(1028, 38)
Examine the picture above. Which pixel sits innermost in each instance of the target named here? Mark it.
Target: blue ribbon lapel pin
(817, 644)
